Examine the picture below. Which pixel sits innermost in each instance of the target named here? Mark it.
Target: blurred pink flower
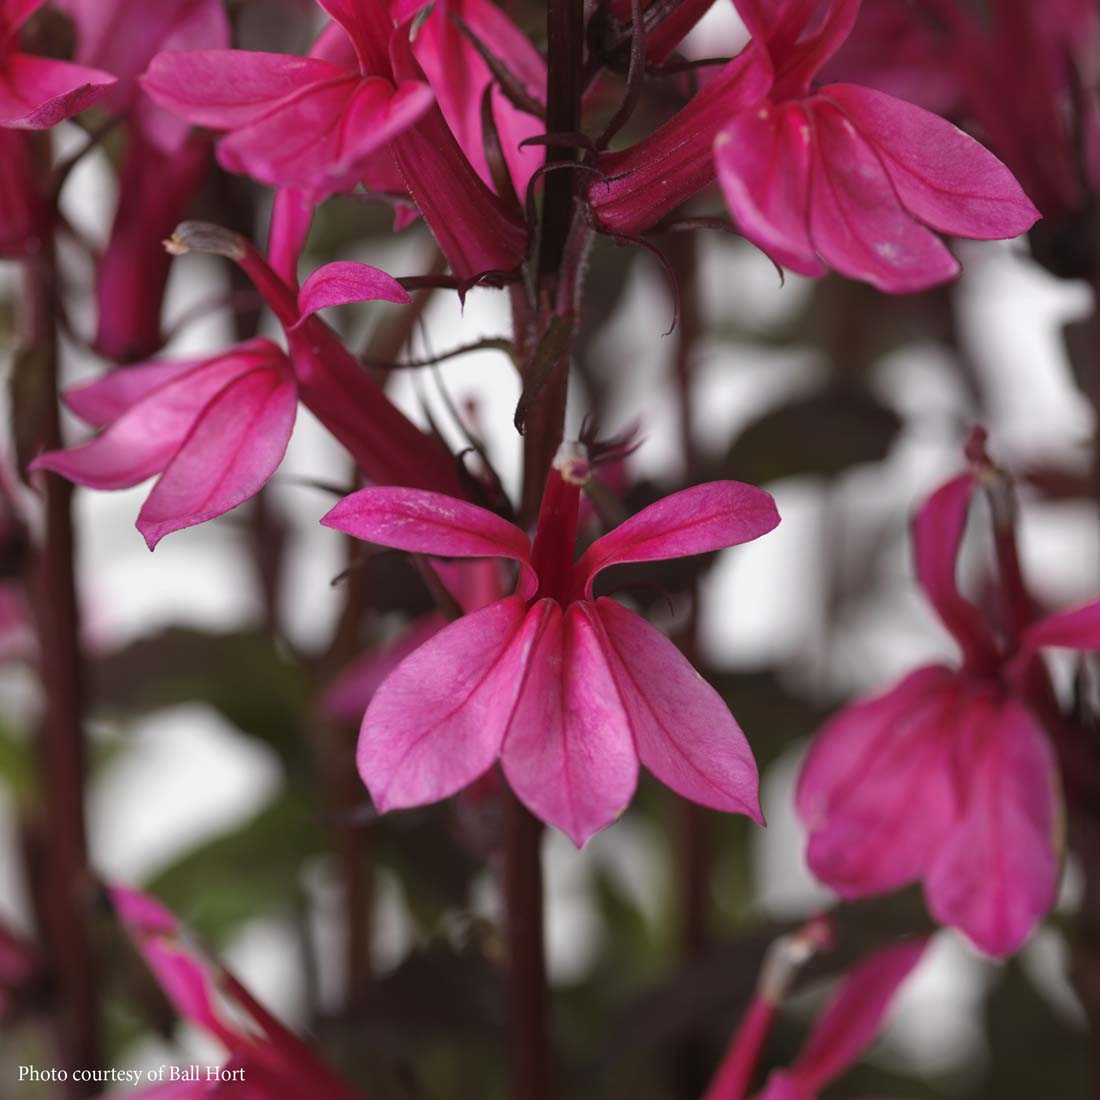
(950, 777)
(842, 1033)
(571, 692)
(214, 430)
(267, 1061)
(844, 178)
(39, 92)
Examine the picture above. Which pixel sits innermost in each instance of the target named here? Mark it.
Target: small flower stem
(61, 745)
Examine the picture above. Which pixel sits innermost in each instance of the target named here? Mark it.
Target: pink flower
(844, 1031)
(270, 1060)
(213, 429)
(39, 92)
(361, 109)
(950, 777)
(844, 178)
(569, 691)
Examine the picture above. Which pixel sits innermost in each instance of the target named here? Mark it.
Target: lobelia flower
(213, 429)
(267, 1061)
(845, 1029)
(950, 777)
(133, 270)
(568, 690)
(842, 177)
(359, 98)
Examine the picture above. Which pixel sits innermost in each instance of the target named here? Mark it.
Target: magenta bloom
(842, 177)
(569, 691)
(844, 1031)
(270, 1060)
(213, 429)
(39, 92)
(950, 778)
(302, 122)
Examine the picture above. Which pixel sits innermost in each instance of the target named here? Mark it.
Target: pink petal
(857, 224)
(568, 753)
(854, 1016)
(763, 161)
(142, 441)
(683, 732)
(693, 521)
(291, 215)
(369, 26)
(342, 282)
(37, 92)
(431, 523)
(942, 176)
(997, 875)
(937, 535)
(184, 978)
(876, 792)
(782, 1085)
(1076, 629)
(438, 722)
(14, 13)
(320, 140)
(107, 398)
(348, 696)
(226, 89)
(234, 447)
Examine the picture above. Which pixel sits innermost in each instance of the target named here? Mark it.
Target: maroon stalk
(64, 915)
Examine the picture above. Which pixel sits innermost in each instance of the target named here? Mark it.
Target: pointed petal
(226, 89)
(437, 723)
(694, 521)
(142, 441)
(320, 140)
(38, 92)
(107, 398)
(854, 1016)
(568, 753)
(342, 282)
(942, 176)
(234, 447)
(684, 733)
(937, 536)
(1076, 629)
(997, 875)
(763, 159)
(856, 222)
(431, 523)
(868, 771)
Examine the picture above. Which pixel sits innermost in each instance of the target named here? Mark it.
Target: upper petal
(431, 523)
(694, 521)
(941, 175)
(321, 139)
(876, 792)
(234, 447)
(345, 281)
(997, 875)
(568, 752)
(856, 221)
(38, 92)
(683, 731)
(854, 1016)
(763, 159)
(937, 536)
(438, 721)
(224, 89)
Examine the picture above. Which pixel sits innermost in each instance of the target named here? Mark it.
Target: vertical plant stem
(61, 747)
